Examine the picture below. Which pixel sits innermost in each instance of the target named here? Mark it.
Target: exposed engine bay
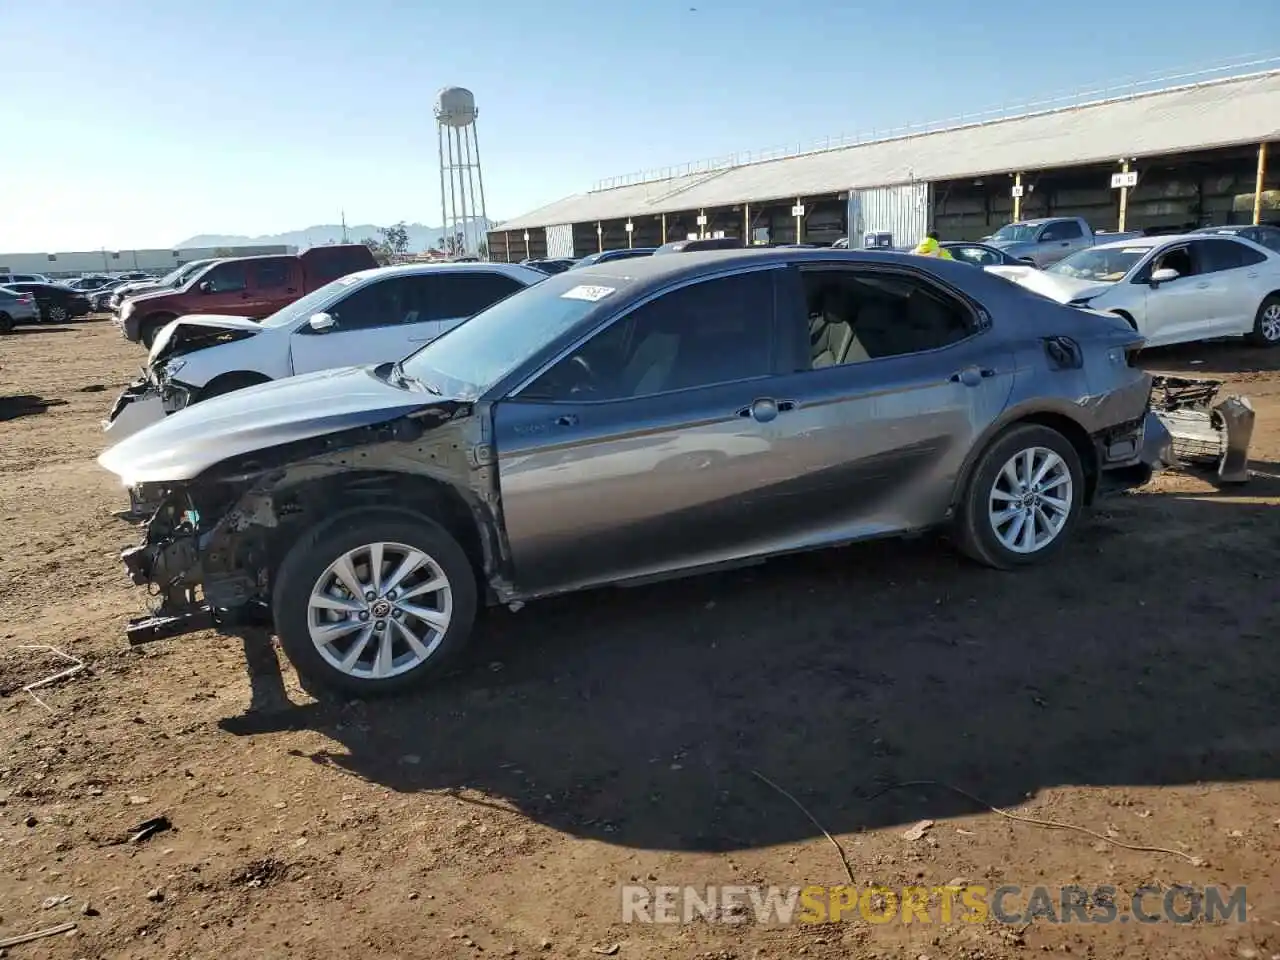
(1208, 431)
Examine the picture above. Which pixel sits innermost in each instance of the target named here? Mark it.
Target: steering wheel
(588, 382)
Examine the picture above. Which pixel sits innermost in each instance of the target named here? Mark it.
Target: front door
(224, 289)
(1176, 310)
(644, 450)
(895, 380)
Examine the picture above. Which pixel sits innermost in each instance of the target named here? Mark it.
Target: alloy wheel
(380, 610)
(57, 314)
(1269, 324)
(1030, 500)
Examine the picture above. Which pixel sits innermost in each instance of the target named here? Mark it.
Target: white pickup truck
(1050, 239)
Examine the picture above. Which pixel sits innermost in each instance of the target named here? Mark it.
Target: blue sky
(140, 123)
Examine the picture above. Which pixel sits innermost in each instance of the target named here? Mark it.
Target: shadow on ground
(1221, 358)
(636, 717)
(26, 405)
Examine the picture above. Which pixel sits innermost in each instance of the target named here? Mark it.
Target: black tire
(229, 383)
(55, 314)
(1266, 329)
(150, 328)
(311, 556)
(6, 323)
(974, 531)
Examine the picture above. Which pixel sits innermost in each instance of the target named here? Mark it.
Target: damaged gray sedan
(629, 422)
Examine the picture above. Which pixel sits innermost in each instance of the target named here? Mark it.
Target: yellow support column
(799, 208)
(1260, 184)
(746, 224)
(664, 228)
(1017, 196)
(506, 236)
(1124, 198)
(599, 238)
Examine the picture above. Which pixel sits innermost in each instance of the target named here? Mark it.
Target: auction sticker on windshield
(589, 293)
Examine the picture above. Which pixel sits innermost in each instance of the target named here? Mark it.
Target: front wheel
(1266, 323)
(374, 602)
(1023, 498)
(55, 314)
(150, 328)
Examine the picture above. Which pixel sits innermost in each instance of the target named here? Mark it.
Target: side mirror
(206, 287)
(1163, 275)
(322, 322)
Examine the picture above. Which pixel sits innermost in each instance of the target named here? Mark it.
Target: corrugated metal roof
(1216, 114)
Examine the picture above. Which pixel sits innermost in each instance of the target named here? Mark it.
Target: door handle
(764, 409)
(1202, 285)
(971, 376)
(291, 290)
(567, 420)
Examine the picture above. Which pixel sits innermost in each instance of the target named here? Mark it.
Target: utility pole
(344, 227)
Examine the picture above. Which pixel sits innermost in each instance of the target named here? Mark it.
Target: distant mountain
(421, 237)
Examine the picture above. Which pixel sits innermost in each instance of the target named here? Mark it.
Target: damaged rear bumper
(1206, 429)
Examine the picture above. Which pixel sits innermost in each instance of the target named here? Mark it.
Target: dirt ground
(616, 737)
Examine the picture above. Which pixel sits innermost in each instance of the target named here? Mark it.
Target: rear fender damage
(1207, 429)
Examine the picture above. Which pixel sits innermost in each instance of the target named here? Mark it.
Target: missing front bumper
(1207, 430)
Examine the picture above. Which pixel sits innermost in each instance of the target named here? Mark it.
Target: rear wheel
(55, 314)
(6, 322)
(1266, 324)
(374, 602)
(1023, 498)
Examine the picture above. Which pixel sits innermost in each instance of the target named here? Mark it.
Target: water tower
(463, 216)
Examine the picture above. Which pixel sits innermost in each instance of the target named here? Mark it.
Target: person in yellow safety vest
(928, 247)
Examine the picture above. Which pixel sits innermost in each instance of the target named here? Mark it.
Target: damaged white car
(366, 317)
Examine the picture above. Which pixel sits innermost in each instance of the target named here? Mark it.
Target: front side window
(859, 315)
(1064, 230)
(706, 333)
(1017, 233)
(227, 278)
(977, 256)
(1178, 259)
(1268, 237)
(379, 304)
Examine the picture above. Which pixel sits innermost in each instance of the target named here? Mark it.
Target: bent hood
(1055, 286)
(185, 444)
(197, 331)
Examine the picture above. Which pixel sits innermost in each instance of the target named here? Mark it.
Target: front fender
(262, 354)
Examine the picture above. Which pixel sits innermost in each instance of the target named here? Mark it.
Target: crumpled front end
(1207, 429)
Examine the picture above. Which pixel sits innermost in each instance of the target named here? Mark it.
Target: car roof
(517, 271)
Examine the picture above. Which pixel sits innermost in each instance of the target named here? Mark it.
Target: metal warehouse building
(1170, 159)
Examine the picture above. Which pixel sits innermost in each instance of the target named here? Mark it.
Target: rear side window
(855, 316)
(466, 294)
(1268, 237)
(1222, 254)
(271, 274)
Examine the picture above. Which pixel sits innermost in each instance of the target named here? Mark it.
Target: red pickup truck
(253, 287)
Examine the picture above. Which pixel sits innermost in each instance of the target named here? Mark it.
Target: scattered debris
(138, 800)
(149, 828)
(76, 666)
(608, 951)
(155, 894)
(51, 902)
(918, 831)
(31, 821)
(38, 934)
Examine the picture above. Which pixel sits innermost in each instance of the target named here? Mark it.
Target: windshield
(1017, 232)
(1102, 264)
(313, 302)
(475, 355)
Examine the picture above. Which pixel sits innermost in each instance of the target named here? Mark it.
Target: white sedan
(1174, 289)
(367, 317)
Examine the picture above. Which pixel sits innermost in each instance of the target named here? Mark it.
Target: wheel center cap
(380, 608)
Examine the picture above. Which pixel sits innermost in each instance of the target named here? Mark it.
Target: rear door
(274, 282)
(1060, 239)
(894, 379)
(1230, 271)
(371, 326)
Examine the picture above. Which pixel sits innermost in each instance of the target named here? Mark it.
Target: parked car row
(606, 426)
(52, 303)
